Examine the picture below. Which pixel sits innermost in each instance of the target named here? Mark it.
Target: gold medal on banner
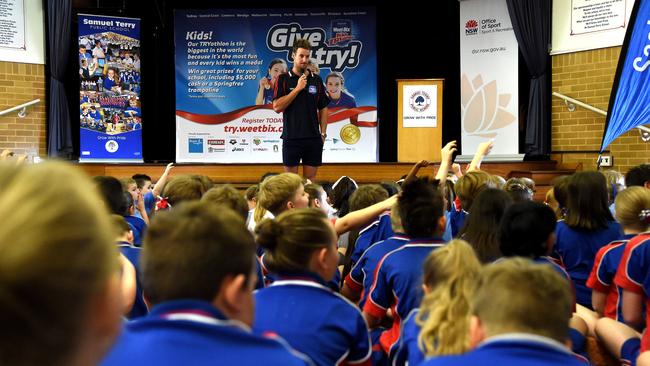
(350, 134)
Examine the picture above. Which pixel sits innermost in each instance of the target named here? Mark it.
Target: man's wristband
(323, 135)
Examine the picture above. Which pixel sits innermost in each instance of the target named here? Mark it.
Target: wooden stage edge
(362, 172)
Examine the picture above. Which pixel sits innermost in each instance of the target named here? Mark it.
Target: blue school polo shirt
(457, 220)
(138, 226)
(380, 229)
(409, 345)
(313, 319)
(362, 275)
(513, 349)
(397, 286)
(364, 240)
(192, 332)
(133, 255)
(385, 229)
(577, 250)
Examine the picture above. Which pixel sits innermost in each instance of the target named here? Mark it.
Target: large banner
(629, 104)
(489, 84)
(109, 95)
(227, 62)
(580, 25)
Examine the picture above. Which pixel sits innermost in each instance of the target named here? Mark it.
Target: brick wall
(20, 83)
(588, 77)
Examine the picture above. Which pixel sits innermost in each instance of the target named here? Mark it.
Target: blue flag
(629, 104)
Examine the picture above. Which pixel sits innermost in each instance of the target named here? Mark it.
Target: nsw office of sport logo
(471, 27)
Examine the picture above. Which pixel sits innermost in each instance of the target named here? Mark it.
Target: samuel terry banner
(109, 94)
(227, 62)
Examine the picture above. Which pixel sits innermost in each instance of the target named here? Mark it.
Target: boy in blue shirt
(198, 274)
(124, 236)
(521, 313)
(398, 276)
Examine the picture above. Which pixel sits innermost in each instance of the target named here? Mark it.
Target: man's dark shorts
(310, 150)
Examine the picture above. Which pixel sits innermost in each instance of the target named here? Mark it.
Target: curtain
(531, 20)
(59, 143)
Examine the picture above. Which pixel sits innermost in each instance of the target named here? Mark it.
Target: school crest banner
(110, 114)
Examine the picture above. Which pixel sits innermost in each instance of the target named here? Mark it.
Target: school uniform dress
(192, 332)
(362, 275)
(132, 253)
(397, 286)
(513, 349)
(300, 308)
(602, 275)
(577, 250)
(634, 275)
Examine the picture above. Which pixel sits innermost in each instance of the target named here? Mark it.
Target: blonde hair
(469, 185)
(275, 192)
(125, 183)
(551, 202)
(516, 295)
(630, 204)
(56, 256)
(450, 273)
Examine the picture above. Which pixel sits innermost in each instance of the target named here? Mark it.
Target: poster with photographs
(110, 113)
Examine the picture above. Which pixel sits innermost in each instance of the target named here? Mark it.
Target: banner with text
(489, 84)
(109, 101)
(227, 62)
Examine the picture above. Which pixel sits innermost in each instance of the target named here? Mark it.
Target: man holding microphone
(301, 96)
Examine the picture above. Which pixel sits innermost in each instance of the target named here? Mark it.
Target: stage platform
(243, 175)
